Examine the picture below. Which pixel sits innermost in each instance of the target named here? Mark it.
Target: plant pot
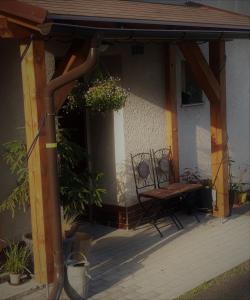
(240, 198)
(205, 199)
(82, 243)
(15, 279)
(27, 238)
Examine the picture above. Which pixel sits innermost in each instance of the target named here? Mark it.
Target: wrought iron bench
(152, 182)
(162, 159)
(145, 184)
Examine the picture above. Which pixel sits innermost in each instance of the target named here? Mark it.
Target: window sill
(192, 104)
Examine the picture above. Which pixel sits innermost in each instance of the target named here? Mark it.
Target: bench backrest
(143, 172)
(163, 167)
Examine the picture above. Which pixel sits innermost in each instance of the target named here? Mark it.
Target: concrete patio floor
(140, 265)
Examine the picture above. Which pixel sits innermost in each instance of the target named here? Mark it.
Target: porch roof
(191, 14)
(150, 15)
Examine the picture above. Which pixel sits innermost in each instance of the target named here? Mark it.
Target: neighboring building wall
(238, 6)
(12, 127)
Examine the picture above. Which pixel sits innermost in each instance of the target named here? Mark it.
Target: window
(191, 93)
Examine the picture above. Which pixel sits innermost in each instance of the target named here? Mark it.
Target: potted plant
(191, 175)
(238, 193)
(106, 95)
(204, 196)
(16, 263)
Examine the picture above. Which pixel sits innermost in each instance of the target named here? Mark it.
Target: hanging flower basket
(106, 95)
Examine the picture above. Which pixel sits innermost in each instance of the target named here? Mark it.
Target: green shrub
(14, 155)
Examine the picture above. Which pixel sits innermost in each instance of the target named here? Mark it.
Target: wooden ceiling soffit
(201, 70)
(12, 30)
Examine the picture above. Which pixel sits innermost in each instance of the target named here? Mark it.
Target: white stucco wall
(144, 112)
(194, 128)
(141, 125)
(144, 124)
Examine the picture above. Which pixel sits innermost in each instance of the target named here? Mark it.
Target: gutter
(51, 146)
(83, 31)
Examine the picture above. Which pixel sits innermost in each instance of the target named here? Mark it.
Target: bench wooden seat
(171, 191)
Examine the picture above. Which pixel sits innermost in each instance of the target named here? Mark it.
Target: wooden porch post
(171, 108)
(34, 81)
(219, 139)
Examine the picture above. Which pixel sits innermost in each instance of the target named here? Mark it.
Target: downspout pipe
(51, 146)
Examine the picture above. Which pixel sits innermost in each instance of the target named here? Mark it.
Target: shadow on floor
(118, 254)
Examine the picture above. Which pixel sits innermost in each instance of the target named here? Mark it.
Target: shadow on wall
(103, 151)
(11, 118)
(145, 115)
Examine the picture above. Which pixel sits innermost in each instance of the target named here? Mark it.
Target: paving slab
(10, 292)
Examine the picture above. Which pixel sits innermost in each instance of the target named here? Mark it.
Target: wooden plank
(201, 70)
(34, 81)
(10, 30)
(76, 55)
(219, 139)
(4, 30)
(171, 108)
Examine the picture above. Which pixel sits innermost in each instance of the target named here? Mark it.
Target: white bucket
(15, 279)
(77, 277)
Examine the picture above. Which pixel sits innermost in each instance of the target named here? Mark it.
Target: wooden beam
(77, 54)
(171, 108)
(219, 139)
(10, 30)
(34, 81)
(201, 70)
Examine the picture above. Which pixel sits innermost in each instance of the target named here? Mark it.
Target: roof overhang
(47, 19)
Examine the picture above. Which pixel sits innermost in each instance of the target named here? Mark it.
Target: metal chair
(165, 177)
(145, 184)
(163, 167)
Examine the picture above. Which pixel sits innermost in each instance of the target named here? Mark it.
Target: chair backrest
(142, 165)
(163, 165)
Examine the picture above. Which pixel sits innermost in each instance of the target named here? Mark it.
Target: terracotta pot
(15, 279)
